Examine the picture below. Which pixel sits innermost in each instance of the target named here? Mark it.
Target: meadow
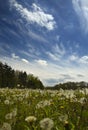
(27, 109)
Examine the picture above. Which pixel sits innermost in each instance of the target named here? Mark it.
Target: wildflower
(44, 103)
(14, 112)
(6, 102)
(46, 124)
(83, 100)
(8, 116)
(63, 118)
(6, 126)
(30, 119)
(11, 115)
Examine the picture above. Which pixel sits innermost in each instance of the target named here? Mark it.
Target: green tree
(34, 83)
(1, 72)
(22, 79)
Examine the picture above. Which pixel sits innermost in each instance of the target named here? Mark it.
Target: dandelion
(8, 116)
(63, 118)
(11, 115)
(6, 126)
(82, 100)
(14, 112)
(46, 124)
(30, 119)
(6, 102)
(44, 103)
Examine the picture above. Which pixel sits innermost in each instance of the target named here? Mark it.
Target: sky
(46, 38)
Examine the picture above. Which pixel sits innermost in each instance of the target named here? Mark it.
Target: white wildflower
(6, 102)
(30, 119)
(14, 112)
(42, 104)
(82, 100)
(46, 124)
(9, 116)
(6, 126)
(63, 118)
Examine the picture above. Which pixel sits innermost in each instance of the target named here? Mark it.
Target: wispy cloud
(5, 49)
(81, 8)
(14, 56)
(80, 60)
(73, 57)
(30, 52)
(57, 52)
(37, 37)
(84, 59)
(42, 62)
(24, 60)
(53, 56)
(59, 48)
(37, 15)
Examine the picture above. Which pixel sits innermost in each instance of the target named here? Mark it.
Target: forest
(17, 79)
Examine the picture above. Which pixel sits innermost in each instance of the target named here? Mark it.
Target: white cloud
(73, 58)
(84, 60)
(53, 56)
(79, 60)
(14, 56)
(37, 37)
(81, 8)
(4, 48)
(31, 53)
(58, 51)
(24, 60)
(37, 15)
(42, 62)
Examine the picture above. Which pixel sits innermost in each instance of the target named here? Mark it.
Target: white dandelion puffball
(46, 124)
(30, 119)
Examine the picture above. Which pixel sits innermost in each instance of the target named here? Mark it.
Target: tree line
(69, 86)
(14, 78)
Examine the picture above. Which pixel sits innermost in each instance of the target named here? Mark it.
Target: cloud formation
(73, 58)
(42, 62)
(84, 59)
(24, 60)
(81, 8)
(37, 37)
(14, 56)
(37, 15)
(58, 51)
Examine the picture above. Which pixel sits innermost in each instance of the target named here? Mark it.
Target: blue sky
(46, 38)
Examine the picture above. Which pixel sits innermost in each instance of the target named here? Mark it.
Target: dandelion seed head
(30, 119)
(6, 126)
(46, 124)
(6, 102)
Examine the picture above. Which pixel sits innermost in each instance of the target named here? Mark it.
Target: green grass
(67, 109)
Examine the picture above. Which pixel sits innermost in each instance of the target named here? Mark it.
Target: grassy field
(43, 109)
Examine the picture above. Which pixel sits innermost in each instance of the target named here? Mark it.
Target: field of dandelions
(43, 109)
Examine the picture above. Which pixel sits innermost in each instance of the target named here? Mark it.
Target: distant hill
(69, 85)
